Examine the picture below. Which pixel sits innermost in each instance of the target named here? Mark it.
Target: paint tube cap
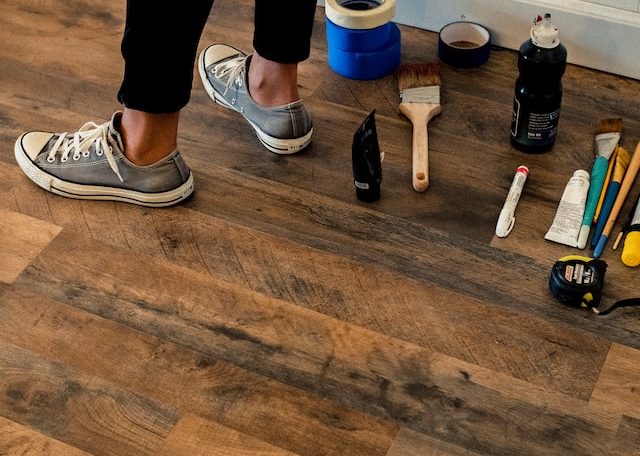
(631, 251)
(582, 174)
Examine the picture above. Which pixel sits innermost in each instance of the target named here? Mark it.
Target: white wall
(629, 5)
(601, 34)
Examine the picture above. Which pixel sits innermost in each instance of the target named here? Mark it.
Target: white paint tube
(566, 224)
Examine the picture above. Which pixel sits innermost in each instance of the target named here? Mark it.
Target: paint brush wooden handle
(627, 182)
(420, 114)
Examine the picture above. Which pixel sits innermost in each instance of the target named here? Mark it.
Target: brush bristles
(415, 75)
(419, 83)
(609, 125)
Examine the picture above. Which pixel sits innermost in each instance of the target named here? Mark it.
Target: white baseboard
(595, 36)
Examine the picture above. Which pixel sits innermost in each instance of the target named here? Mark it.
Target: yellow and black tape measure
(578, 281)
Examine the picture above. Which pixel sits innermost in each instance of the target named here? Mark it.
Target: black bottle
(538, 93)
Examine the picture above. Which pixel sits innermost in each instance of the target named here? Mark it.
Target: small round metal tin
(464, 44)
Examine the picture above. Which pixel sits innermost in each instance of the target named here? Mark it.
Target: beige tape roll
(360, 14)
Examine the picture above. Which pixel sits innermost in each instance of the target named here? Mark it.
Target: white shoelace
(234, 68)
(80, 143)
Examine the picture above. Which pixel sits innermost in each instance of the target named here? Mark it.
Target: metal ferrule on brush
(428, 94)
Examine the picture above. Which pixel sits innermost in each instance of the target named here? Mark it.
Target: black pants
(161, 39)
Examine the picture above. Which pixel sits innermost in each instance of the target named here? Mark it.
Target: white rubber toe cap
(33, 142)
(217, 52)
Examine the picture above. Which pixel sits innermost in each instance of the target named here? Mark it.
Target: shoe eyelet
(233, 101)
(76, 157)
(64, 159)
(50, 159)
(85, 154)
(99, 153)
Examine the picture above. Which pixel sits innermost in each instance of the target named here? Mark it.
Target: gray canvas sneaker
(283, 129)
(90, 164)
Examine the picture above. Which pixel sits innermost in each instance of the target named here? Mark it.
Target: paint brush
(419, 85)
(627, 182)
(607, 135)
(619, 169)
(603, 192)
(626, 226)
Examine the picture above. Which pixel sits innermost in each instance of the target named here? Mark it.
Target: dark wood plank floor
(273, 313)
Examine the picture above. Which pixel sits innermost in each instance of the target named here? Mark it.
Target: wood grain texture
(10, 176)
(525, 347)
(24, 237)
(627, 440)
(618, 386)
(274, 311)
(17, 440)
(190, 380)
(414, 250)
(83, 412)
(410, 443)
(371, 372)
(198, 437)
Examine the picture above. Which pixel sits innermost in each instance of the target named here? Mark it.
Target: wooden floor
(273, 313)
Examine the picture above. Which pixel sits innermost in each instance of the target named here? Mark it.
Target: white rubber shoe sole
(92, 192)
(275, 145)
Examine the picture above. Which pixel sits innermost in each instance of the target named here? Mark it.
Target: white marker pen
(507, 218)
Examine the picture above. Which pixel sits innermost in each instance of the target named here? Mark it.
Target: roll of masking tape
(349, 40)
(363, 43)
(360, 14)
(366, 63)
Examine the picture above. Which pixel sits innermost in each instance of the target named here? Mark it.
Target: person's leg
(159, 48)
(272, 83)
(281, 40)
(263, 87)
(108, 161)
(148, 137)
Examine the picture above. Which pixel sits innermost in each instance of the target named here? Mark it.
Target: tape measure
(578, 281)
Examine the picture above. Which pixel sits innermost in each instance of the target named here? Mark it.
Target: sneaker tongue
(246, 71)
(114, 131)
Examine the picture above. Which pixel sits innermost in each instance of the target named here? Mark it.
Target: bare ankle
(272, 83)
(148, 137)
